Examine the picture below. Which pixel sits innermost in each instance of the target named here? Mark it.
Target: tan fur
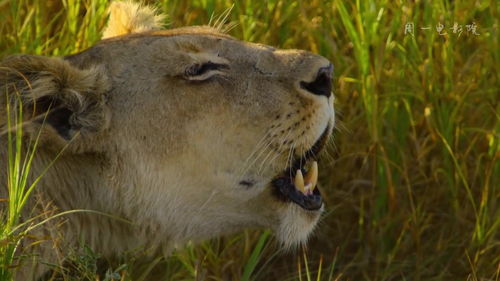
(162, 152)
(36, 77)
(129, 17)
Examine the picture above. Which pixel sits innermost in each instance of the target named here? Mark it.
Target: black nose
(322, 85)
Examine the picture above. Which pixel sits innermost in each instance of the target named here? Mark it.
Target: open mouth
(298, 184)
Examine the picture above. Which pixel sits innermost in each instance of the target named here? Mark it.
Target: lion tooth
(299, 181)
(312, 176)
(308, 189)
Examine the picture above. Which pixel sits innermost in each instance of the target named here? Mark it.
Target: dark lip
(285, 190)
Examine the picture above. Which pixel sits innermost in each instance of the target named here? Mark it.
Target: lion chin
(165, 136)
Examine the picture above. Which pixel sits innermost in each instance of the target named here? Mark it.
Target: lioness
(176, 135)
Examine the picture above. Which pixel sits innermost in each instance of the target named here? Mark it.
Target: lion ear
(52, 91)
(129, 17)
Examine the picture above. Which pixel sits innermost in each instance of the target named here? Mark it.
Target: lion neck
(74, 185)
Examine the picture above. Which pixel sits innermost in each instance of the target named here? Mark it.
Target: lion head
(187, 133)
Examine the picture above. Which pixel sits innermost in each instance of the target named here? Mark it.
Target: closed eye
(203, 71)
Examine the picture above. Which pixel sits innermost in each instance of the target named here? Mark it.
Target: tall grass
(12, 230)
(413, 190)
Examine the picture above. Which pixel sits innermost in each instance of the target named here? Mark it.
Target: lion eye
(203, 71)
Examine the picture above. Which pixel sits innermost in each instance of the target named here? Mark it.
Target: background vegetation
(412, 183)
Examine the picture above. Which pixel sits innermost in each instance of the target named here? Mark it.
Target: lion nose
(322, 85)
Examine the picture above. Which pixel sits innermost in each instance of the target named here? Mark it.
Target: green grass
(413, 184)
(13, 229)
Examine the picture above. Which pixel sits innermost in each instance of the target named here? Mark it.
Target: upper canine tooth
(299, 181)
(312, 176)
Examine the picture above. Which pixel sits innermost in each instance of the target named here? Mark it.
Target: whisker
(301, 153)
(289, 160)
(263, 150)
(278, 154)
(259, 152)
(330, 145)
(282, 142)
(264, 161)
(257, 148)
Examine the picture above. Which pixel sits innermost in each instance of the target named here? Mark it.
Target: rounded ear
(51, 90)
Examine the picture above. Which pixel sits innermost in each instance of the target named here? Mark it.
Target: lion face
(209, 134)
(188, 133)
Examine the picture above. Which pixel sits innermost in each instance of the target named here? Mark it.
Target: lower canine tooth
(308, 189)
(299, 181)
